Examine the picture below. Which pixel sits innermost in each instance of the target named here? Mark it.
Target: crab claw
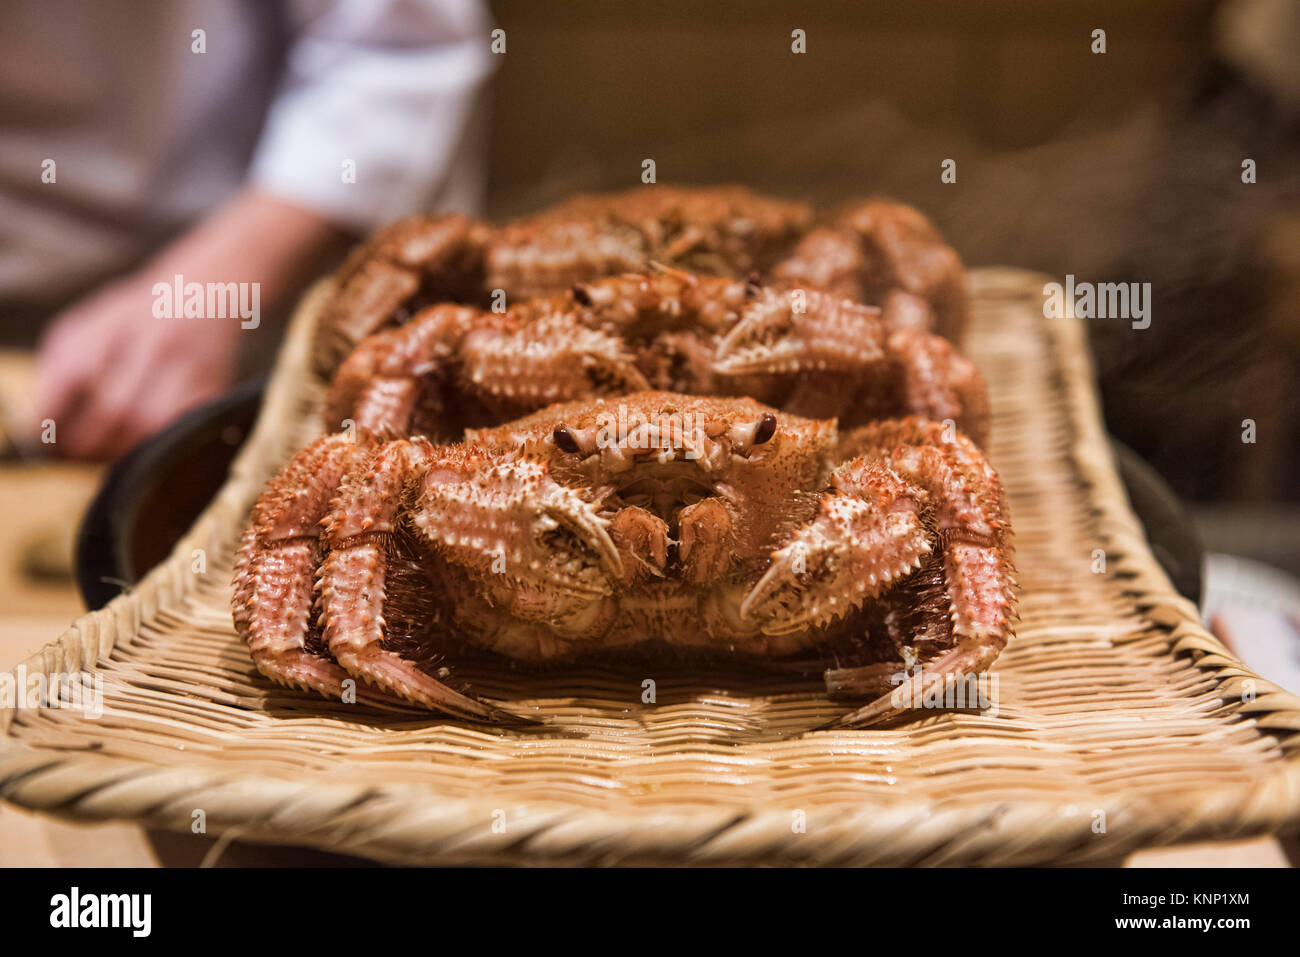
(551, 359)
(567, 563)
(800, 330)
(511, 518)
(643, 539)
(858, 544)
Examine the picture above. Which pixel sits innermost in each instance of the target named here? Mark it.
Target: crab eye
(580, 295)
(565, 441)
(765, 429)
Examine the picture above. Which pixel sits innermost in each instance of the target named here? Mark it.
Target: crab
(881, 252)
(428, 259)
(807, 352)
(876, 252)
(620, 526)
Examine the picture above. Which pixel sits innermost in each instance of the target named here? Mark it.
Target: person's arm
(379, 113)
(111, 371)
(375, 118)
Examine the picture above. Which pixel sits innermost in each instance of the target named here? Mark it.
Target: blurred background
(1125, 166)
(1121, 166)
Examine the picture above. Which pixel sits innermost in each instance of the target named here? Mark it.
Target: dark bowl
(153, 494)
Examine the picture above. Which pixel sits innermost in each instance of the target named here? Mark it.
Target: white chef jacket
(146, 134)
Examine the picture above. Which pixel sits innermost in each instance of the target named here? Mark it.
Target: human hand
(111, 371)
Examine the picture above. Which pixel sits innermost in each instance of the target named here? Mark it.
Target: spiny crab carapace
(873, 251)
(717, 525)
(806, 352)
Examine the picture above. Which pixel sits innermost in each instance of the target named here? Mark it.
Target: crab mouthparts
(662, 489)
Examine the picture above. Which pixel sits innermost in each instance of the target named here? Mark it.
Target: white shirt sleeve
(388, 93)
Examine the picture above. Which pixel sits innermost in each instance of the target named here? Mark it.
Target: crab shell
(656, 518)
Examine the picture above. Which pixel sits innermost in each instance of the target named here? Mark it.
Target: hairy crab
(719, 525)
(876, 252)
(888, 254)
(806, 352)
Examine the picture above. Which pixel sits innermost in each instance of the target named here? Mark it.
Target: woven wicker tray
(1121, 723)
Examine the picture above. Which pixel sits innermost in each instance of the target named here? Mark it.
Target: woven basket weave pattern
(1120, 722)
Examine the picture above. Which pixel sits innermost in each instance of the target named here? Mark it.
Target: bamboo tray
(1121, 723)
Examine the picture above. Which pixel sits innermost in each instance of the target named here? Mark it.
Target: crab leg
(504, 518)
(379, 385)
(550, 358)
(276, 564)
(869, 531)
(905, 251)
(975, 538)
(516, 365)
(876, 250)
(913, 616)
(442, 255)
(937, 382)
(782, 332)
(862, 370)
(827, 259)
(359, 531)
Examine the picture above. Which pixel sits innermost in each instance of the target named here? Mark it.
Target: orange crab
(875, 252)
(807, 352)
(714, 524)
